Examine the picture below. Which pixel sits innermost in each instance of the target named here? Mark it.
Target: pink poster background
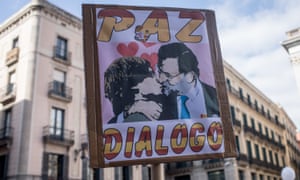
(108, 52)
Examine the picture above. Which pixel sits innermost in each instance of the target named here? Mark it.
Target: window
(117, 171)
(184, 164)
(267, 132)
(15, 43)
(146, 173)
(232, 111)
(245, 119)
(276, 119)
(262, 109)
(276, 159)
(272, 135)
(228, 84)
(261, 177)
(279, 139)
(59, 76)
(256, 105)
(123, 173)
(237, 143)
(11, 82)
(283, 161)
(264, 154)
(184, 177)
(241, 93)
(253, 123)
(260, 128)
(249, 99)
(268, 113)
(253, 176)
(61, 48)
(216, 175)
(241, 175)
(3, 166)
(57, 122)
(127, 172)
(249, 149)
(7, 123)
(271, 157)
(97, 174)
(59, 83)
(55, 166)
(257, 152)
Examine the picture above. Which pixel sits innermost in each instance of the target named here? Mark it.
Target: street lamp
(77, 152)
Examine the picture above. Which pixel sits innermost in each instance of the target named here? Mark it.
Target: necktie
(184, 111)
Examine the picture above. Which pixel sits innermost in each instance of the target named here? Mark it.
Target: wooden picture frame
(101, 24)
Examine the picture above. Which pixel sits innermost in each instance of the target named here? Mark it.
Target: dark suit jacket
(211, 100)
(170, 110)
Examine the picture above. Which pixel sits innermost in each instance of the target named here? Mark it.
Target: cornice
(295, 60)
(45, 8)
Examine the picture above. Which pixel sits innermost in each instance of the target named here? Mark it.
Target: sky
(250, 34)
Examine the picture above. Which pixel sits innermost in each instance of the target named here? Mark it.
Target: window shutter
(130, 172)
(45, 166)
(66, 167)
(145, 173)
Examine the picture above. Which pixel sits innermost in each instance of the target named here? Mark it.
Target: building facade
(265, 137)
(292, 46)
(43, 111)
(42, 94)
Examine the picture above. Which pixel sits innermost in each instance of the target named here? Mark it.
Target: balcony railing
(62, 56)
(254, 106)
(12, 56)
(237, 122)
(179, 167)
(8, 94)
(60, 91)
(250, 129)
(213, 163)
(58, 136)
(242, 157)
(6, 136)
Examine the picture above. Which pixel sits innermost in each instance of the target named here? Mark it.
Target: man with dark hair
(178, 71)
(130, 81)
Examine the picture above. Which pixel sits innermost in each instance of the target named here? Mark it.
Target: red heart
(129, 50)
(152, 58)
(148, 44)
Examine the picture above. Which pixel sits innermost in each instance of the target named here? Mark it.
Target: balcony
(8, 94)
(58, 136)
(254, 106)
(237, 123)
(250, 130)
(213, 163)
(61, 55)
(12, 56)
(6, 135)
(242, 159)
(179, 167)
(274, 168)
(60, 91)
